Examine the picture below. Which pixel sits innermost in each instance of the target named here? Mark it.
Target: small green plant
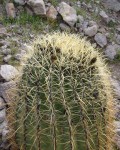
(54, 2)
(112, 24)
(1, 1)
(81, 11)
(36, 22)
(64, 99)
(118, 55)
(14, 62)
(13, 47)
(1, 59)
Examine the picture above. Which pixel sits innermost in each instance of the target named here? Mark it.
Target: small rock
(2, 103)
(92, 23)
(88, 17)
(117, 124)
(5, 43)
(4, 47)
(80, 19)
(96, 11)
(104, 16)
(7, 91)
(116, 86)
(84, 4)
(102, 30)
(21, 2)
(78, 26)
(78, 4)
(118, 39)
(118, 29)
(89, 6)
(84, 25)
(10, 9)
(64, 27)
(91, 31)
(118, 131)
(38, 6)
(3, 32)
(112, 4)
(68, 13)
(1, 11)
(117, 114)
(117, 136)
(117, 140)
(8, 72)
(2, 115)
(5, 133)
(117, 48)
(20, 55)
(79, 23)
(52, 13)
(110, 52)
(6, 51)
(100, 39)
(47, 4)
(107, 34)
(7, 58)
(2, 126)
(1, 43)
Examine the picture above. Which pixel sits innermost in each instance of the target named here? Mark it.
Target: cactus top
(65, 99)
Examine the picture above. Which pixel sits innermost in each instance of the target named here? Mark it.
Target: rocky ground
(23, 20)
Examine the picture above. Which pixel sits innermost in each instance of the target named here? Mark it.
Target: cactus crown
(65, 99)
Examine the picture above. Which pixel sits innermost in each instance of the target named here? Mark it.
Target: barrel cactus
(64, 97)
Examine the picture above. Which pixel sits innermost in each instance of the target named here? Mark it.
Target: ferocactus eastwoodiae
(65, 100)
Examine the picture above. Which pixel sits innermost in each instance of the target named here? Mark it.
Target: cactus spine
(65, 99)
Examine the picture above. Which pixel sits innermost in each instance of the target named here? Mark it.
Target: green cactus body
(65, 99)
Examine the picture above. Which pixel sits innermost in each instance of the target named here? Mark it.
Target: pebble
(91, 31)
(20, 55)
(64, 27)
(6, 51)
(85, 25)
(68, 13)
(3, 32)
(112, 4)
(10, 9)
(7, 58)
(5, 133)
(8, 72)
(118, 29)
(100, 39)
(116, 86)
(38, 6)
(5, 89)
(110, 52)
(104, 16)
(80, 19)
(92, 23)
(52, 13)
(20, 2)
(118, 39)
(2, 126)
(2, 103)
(2, 115)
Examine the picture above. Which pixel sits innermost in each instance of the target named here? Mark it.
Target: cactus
(64, 99)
